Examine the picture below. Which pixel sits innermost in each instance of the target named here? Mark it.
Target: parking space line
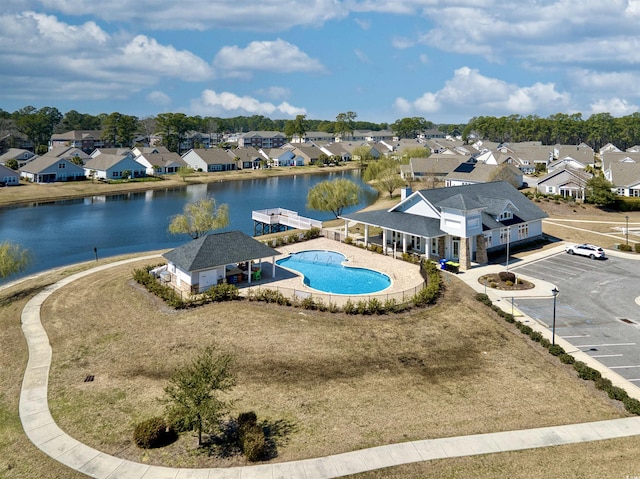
(603, 344)
(624, 367)
(578, 336)
(606, 355)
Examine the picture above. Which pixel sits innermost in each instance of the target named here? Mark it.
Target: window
(504, 235)
(434, 246)
(489, 240)
(61, 165)
(523, 231)
(505, 215)
(549, 189)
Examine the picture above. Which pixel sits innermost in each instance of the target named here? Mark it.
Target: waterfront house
(161, 163)
(49, 169)
(460, 223)
(21, 155)
(114, 167)
(247, 158)
(231, 257)
(9, 177)
(210, 159)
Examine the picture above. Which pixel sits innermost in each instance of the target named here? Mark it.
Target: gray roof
(493, 197)
(218, 249)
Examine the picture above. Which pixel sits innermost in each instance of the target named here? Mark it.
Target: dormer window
(505, 215)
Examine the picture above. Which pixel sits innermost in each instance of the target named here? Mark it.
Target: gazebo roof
(218, 249)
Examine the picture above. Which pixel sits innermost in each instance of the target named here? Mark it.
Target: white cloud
(362, 56)
(225, 103)
(402, 42)
(616, 106)
(275, 92)
(159, 98)
(63, 61)
(469, 93)
(362, 23)
(276, 56)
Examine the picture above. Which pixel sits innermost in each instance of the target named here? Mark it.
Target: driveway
(597, 309)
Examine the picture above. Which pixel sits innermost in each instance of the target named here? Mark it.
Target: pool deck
(403, 275)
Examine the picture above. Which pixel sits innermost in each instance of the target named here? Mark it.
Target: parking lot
(597, 309)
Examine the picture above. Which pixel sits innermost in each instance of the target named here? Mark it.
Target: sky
(444, 60)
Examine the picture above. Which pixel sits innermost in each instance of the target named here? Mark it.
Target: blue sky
(444, 60)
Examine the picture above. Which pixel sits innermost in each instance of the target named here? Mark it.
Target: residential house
(85, 140)
(336, 151)
(15, 139)
(262, 139)
(460, 223)
(21, 155)
(609, 147)
(435, 167)
(582, 153)
(470, 173)
(161, 163)
(376, 151)
(141, 150)
(114, 167)
(230, 257)
(609, 158)
(282, 157)
(248, 158)
(309, 153)
(9, 177)
(71, 153)
(210, 159)
(49, 169)
(565, 181)
(112, 151)
(625, 176)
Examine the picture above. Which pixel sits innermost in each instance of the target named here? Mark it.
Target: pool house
(459, 223)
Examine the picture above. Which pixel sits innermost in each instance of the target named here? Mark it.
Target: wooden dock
(278, 219)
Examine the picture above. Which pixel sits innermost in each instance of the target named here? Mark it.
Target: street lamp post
(626, 231)
(555, 292)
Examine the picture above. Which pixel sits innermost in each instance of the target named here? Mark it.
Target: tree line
(561, 128)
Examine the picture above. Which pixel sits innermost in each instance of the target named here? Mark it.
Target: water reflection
(67, 231)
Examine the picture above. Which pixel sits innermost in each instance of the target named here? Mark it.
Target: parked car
(590, 250)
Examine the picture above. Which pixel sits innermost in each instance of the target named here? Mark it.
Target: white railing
(284, 217)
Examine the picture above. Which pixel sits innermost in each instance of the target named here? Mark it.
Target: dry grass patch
(328, 383)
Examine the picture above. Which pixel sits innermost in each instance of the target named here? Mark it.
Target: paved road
(597, 310)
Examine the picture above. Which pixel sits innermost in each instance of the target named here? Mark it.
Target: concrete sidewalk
(41, 429)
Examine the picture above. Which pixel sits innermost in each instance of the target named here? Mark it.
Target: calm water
(66, 232)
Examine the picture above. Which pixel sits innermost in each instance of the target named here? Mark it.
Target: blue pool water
(323, 270)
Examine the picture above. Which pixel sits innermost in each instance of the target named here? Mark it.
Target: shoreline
(29, 193)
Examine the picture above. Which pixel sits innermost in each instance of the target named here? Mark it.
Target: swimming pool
(323, 270)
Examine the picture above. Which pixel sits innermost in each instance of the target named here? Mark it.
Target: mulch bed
(494, 281)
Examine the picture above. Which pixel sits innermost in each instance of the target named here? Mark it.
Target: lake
(66, 232)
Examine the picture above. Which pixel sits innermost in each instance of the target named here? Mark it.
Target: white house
(113, 167)
(231, 257)
(9, 177)
(462, 223)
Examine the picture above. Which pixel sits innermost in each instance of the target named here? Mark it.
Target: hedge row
(584, 371)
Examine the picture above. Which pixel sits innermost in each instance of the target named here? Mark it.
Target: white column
(366, 235)
(404, 242)
(384, 240)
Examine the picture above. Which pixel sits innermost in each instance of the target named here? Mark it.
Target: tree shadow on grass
(277, 434)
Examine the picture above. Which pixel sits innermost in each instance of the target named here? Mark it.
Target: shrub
(483, 298)
(292, 238)
(308, 303)
(603, 383)
(375, 306)
(637, 247)
(625, 247)
(632, 405)
(349, 307)
(585, 372)
(545, 343)
(566, 358)
(526, 329)
(167, 293)
(391, 305)
(348, 240)
(222, 292)
(247, 419)
(507, 276)
(362, 307)
(153, 432)
(536, 336)
(508, 283)
(617, 393)
(253, 443)
(556, 350)
(312, 233)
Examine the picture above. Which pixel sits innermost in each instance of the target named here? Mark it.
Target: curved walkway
(42, 430)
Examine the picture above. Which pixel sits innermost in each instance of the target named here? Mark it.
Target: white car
(590, 250)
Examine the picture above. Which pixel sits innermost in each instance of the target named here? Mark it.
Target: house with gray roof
(161, 163)
(247, 158)
(85, 140)
(71, 153)
(262, 139)
(9, 177)
(461, 223)
(231, 257)
(625, 176)
(437, 166)
(114, 167)
(21, 155)
(49, 169)
(210, 159)
(565, 181)
(472, 172)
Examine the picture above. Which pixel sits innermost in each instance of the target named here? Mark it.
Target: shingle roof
(218, 249)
